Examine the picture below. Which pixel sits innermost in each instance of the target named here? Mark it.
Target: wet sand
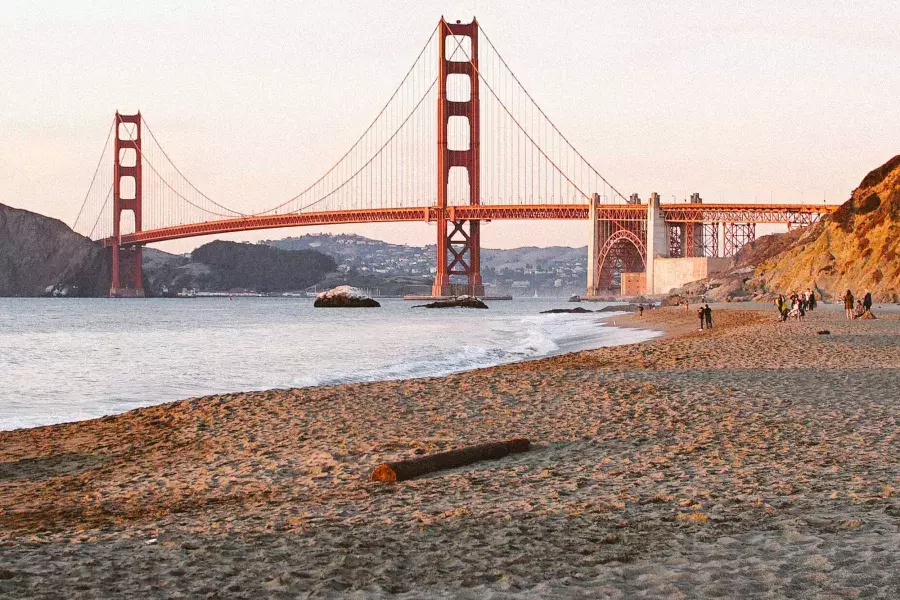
(755, 460)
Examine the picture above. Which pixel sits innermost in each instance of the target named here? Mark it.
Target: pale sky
(741, 102)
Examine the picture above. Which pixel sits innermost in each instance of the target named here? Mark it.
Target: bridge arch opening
(459, 134)
(458, 48)
(622, 252)
(127, 157)
(459, 87)
(127, 222)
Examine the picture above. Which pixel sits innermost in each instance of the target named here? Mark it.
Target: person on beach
(702, 314)
(782, 306)
(860, 311)
(640, 311)
(707, 313)
(800, 307)
(848, 304)
(812, 300)
(867, 301)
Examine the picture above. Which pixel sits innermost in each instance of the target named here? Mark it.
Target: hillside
(40, 255)
(856, 248)
(223, 266)
(404, 269)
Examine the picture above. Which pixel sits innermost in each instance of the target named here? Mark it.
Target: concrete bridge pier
(657, 242)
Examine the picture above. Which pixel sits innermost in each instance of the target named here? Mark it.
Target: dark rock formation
(555, 311)
(458, 302)
(623, 308)
(42, 256)
(344, 296)
(673, 300)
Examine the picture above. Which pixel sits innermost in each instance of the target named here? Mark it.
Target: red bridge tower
(126, 260)
(458, 241)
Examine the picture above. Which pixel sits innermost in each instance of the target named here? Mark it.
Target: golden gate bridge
(459, 142)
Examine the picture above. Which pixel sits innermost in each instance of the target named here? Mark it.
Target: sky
(741, 102)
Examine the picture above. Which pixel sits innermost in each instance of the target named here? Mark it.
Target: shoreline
(659, 468)
(443, 371)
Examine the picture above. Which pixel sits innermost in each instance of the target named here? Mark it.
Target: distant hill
(399, 268)
(41, 256)
(223, 266)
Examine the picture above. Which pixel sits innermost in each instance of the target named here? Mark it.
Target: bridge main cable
(540, 110)
(361, 137)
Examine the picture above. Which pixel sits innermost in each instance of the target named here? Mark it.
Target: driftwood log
(414, 467)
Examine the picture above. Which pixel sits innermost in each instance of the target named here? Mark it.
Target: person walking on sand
(702, 314)
(640, 311)
(707, 313)
(782, 306)
(867, 301)
(848, 304)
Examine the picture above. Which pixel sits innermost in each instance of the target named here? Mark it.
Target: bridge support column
(458, 241)
(657, 244)
(127, 186)
(593, 266)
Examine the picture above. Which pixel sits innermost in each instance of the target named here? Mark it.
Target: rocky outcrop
(43, 256)
(344, 296)
(856, 248)
(457, 302)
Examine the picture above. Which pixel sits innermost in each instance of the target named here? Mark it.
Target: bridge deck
(742, 213)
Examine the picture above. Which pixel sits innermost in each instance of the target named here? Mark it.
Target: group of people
(862, 306)
(796, 305)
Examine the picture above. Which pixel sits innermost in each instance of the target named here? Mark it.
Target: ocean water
(64, 360)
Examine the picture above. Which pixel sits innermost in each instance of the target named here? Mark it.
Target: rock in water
(457, 302)
(344, 296)
(555, 311)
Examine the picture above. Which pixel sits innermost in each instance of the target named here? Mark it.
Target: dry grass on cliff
(855, 248)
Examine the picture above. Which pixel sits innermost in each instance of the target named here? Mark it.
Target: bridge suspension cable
(549, 121)
(524, 158)
(420, 72)
(92, 208)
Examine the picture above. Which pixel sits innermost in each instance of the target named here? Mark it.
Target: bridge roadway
(789, 214)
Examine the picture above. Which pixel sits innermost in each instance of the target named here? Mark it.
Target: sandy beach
(754, 460)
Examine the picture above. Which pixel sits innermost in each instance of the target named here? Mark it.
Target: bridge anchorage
(636, 243)
(459, 143)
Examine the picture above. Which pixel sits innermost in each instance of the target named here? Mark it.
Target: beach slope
(757, 459)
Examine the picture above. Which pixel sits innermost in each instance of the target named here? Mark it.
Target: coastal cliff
(856, 248)
(40, 255)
